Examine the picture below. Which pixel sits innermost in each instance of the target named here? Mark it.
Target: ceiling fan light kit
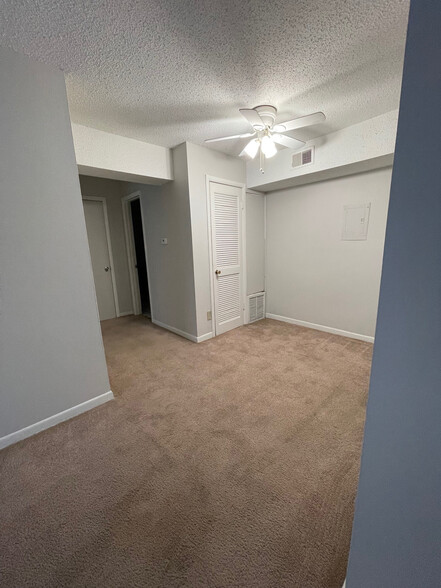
(267, 135)
(252, 148)
(268, 146)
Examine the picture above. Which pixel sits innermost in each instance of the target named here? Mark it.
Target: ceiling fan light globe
(252, 148)
(268, 147)
(279, 128)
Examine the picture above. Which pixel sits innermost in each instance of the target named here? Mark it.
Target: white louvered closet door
(226, 233)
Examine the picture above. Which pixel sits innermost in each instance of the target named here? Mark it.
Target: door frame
(109, 247)
(243, 273)
(131, 254)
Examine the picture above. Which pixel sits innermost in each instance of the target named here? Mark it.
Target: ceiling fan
(266, 134)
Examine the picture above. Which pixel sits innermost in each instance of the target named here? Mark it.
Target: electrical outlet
(209, 315)
(164, 241)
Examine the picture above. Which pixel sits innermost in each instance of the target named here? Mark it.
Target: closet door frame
(208, 180)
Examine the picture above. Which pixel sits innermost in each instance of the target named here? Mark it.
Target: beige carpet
(232, 463)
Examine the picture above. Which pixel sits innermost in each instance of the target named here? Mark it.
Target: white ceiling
(167, 71)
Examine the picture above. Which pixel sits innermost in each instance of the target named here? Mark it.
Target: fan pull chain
(262, 160)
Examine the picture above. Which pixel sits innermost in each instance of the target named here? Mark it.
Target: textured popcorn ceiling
(166, 71)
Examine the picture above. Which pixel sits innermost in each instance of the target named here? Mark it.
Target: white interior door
(226, 235)
(100, 255)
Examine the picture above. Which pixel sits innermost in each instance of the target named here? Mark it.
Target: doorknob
(106, 269)
(217, 272)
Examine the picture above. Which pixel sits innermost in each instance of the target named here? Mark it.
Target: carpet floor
(231, 463)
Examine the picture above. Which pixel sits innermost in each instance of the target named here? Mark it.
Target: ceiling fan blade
(252, 117)
(242, 136)
(287, 141)
(300, 122)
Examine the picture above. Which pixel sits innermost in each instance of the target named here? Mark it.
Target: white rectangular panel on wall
(356, 222)
(226, 222)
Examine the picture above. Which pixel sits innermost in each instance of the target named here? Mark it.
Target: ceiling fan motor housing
(267, 113)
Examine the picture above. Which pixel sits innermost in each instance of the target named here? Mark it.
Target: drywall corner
(166, 214)
(203, 162)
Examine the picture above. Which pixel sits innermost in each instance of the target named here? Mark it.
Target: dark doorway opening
(141, 263)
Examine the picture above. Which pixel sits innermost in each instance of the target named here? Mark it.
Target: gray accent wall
(51, 351)
(396, 540)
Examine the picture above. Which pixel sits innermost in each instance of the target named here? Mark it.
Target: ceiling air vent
(256, 307)
(305, 157)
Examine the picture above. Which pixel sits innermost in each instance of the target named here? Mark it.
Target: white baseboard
(183, 333)
(127, 313)
(54, 419)
(176, 331)
(340, 332)
(205, 337)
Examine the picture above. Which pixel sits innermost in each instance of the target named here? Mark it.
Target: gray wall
(51, 353)
(179, 272)
(112, 191)
(166, 213)
(396, 539)
(311, 274)
(255, 242)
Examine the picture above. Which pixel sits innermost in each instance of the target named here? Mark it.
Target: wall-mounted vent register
(256, 307)
(305, 157)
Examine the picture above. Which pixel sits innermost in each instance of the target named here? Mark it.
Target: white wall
(166, 213)
(311, 274)
(51, 352)
(112, 191)
(202, 162)
(111, 156)
(255, 242)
